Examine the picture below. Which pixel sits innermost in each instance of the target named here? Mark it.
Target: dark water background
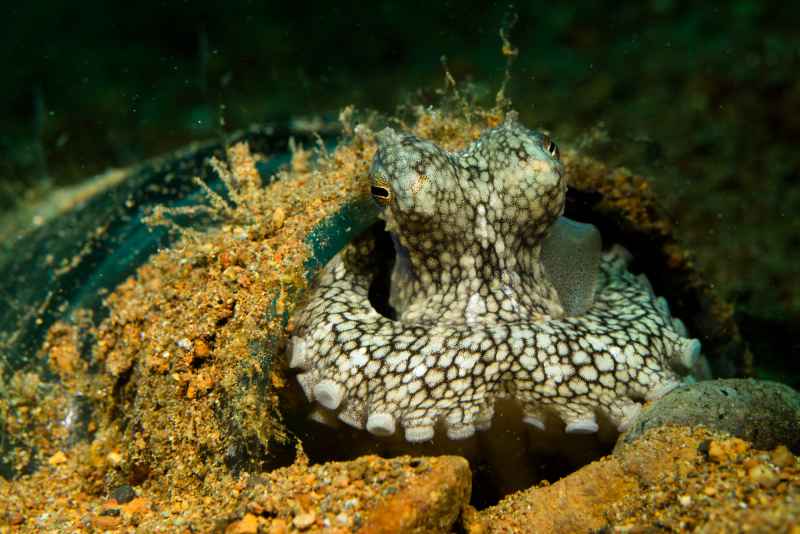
(703, 98)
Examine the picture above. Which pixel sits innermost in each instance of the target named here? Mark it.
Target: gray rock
(765, 413)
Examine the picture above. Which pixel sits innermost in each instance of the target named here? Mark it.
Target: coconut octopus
(496, 296)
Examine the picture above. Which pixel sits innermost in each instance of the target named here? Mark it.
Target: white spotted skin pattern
(478, 319)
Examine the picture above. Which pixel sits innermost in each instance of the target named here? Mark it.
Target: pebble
(278, 217)
(139, 505)
(763, 476)
(727, 450)
(303, 521)
(246, 525)
(123, 494)
(201, 349)
(278, 526)
(57, 458)
(783, 457)
(106, 522)
(715, 452)
(764, 413)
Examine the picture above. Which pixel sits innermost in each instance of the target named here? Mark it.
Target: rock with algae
(767, 414)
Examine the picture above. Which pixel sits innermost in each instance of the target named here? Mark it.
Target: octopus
(495, 295)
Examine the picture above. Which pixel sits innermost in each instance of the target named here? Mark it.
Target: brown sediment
(674, 479)
(195, 323)
(369, 494)
(186, 374)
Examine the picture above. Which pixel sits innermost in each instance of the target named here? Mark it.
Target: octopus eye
(381, 194)
(551, 147)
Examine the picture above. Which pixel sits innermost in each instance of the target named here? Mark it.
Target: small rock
(278, 217)
(110, 511)
(303, 521)
(726, 450)
(123, 494)
(715, 452)
(703, 447)
(57, 459)
(106, 522)
(15, 518)
(278, 526)
(782, 457)
(139, 505)
(429, 502)
(246, 525)
(763, 476)
(762, 412)
(201, 349)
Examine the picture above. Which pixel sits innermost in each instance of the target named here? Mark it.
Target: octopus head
(508, 186)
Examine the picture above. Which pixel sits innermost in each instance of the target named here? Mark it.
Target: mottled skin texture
(477, 316)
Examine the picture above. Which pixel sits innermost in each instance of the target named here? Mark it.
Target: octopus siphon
(495, 295)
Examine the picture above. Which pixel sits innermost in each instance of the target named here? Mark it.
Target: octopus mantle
(496, 296)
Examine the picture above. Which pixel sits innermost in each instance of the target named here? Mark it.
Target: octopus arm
(381, 374)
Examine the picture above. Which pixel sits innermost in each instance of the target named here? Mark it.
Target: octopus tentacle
(387, 374)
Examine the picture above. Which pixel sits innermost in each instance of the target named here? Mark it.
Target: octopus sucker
(622, 413)
(494, 295)
(663, 308)
(645, 283)
(582, 426)
(381, 424)
(306, 382)
(460, 430)
(483, 421)
(689, 351)
(329, 394)
(680, 328)
(353, 416)
(535, 421)
(298, 353)
(416, 434)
